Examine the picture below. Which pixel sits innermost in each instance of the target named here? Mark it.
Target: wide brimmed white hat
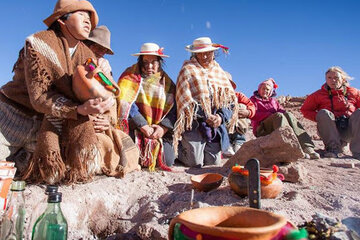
(204, 44)
(151, 49)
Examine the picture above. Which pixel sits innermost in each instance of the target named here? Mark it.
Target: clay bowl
(238, 184)
(231, 222)
(207, 181)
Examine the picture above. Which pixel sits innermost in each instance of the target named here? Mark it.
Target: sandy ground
(141, 205)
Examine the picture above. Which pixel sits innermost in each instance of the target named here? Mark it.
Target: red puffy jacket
(345, 102)
(247, 102)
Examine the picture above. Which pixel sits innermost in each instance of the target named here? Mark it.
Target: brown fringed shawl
(67, 146)
(207, 88)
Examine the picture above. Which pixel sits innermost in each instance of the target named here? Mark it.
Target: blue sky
(293, 41)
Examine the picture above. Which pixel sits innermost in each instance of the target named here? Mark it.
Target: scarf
(207, 88)
(69, 153)
(154, 96)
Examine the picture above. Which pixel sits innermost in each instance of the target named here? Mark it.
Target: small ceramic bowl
(207, 181)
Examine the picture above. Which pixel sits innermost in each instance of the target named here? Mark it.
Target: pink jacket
(264, 108)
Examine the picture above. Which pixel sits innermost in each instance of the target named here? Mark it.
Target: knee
(355, 117)
(282, 117)
(169, 158)
(324, 114)
(356, 114)
(188, 158)
(289, 114)
(279, 115)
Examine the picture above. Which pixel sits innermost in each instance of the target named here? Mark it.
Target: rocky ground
(140, 205)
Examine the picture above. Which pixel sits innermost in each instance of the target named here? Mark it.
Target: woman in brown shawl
(41, 92)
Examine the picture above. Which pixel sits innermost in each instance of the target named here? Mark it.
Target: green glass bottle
(52, 224)
(12, 224)
(39, 210)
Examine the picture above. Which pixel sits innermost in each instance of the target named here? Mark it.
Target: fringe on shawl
(81, 164)
(151, 153)
(186, 118)
(81, 152)
(40, 78)
(46, 165)
(221, 98)
(49, 169)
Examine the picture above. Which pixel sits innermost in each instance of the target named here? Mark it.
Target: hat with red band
(151, 49)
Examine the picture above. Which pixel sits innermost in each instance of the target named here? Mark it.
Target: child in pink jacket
(270, 115)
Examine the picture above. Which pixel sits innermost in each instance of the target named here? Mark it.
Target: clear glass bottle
(39, 210)
(12, 225)
(52, 224)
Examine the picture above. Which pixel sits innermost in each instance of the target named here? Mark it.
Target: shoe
(229, 152)
(332, 151)
(330, 154)
(343, 145)
(312, 153)
(237, 146)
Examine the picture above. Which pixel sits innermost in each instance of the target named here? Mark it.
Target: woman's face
(265, 91)
(334, 80)
(98, 50)
(151, 65)
(79, 25)
(205, 58)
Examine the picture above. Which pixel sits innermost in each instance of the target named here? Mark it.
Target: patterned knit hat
(271, 83)
(63, 7)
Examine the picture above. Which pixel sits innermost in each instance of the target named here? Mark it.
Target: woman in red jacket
(335, 108)
(245, 113)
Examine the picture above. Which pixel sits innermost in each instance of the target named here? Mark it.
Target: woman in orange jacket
(335, 108)
(246, 112)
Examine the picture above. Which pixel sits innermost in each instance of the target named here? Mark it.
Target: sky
(292, 41)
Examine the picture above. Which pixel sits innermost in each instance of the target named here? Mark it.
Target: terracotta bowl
(231, 222)
(207, 181)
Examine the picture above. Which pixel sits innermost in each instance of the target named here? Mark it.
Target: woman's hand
(243, 113)
(214, 120)
(147, 131)
(95, 106)
(100, 123)
(104, 66)
(159, 131)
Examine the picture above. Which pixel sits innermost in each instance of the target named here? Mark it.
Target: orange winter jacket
(247, 102)
(345, 101)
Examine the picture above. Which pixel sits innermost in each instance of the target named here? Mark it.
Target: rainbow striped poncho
(154, 96)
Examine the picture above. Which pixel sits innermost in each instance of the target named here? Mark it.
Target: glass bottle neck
(16, 196)
(53, 207)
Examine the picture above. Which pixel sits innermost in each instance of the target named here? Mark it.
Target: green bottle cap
(18, 186)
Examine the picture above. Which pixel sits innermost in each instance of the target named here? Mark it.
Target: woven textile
(154, 96)
(207, 88)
